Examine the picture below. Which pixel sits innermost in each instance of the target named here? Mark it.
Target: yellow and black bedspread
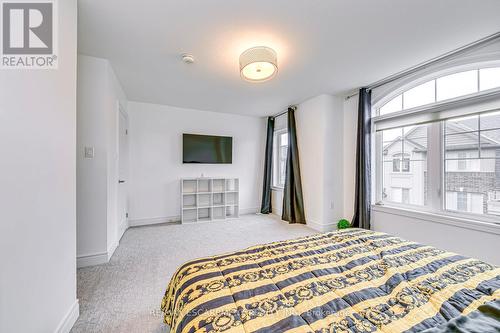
(352, 280)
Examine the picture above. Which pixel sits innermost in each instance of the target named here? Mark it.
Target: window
(405, 151)
(280, 152)
(465, 202)
(444, 156)
(455, 85)
(443, 88)
(396, 104)
(462, 201)
(400, 163)
(396, 164)
(401, 195)
(472, 161)
(406, 165)
(420, 95)
(461, 161)
(405, 197)
(489, 78)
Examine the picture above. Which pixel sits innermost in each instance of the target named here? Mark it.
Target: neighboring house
(405, 167)
(472, 167)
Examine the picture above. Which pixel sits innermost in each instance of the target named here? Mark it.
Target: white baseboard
(253, 210)
(96, 258)
(321, 227)
(91, 259)
(153, 220)
(313, 224)
(111, 250)
(176, 219)
(123, 227)
(69, 319)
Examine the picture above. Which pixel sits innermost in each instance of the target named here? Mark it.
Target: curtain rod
(430, 62)
(294, 107)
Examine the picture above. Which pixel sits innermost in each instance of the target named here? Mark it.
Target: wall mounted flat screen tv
(207, 149)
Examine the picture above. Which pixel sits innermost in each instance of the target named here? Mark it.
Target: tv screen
(207, 149)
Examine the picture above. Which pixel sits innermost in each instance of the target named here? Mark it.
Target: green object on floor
(343, 224)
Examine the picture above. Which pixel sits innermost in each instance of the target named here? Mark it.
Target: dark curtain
(266, 206)
(293, 202)
(361, 218)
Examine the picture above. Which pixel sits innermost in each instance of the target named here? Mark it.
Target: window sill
(460, 222)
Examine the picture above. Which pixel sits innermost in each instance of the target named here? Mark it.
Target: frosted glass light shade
(258, 64)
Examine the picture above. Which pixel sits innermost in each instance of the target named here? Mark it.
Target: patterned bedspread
(352, 280)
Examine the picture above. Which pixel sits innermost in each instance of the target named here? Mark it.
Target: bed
(353, 280)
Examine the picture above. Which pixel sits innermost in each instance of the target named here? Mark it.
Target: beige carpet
(124, 295)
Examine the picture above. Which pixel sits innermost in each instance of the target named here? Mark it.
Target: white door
(123, 160)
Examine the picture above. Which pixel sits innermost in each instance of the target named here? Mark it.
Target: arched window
(443, 88)
(437, 143)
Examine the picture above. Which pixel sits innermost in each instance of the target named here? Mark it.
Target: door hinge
(126, 132)
(126, 215)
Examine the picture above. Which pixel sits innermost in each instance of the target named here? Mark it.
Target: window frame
(434, 75)
(436, 193)
(403, 161)
(396, 165)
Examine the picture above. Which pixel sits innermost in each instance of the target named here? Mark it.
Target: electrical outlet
(89, 152)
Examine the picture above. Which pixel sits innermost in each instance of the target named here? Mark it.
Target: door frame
(121, 112)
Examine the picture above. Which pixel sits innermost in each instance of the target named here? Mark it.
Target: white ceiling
(323, 46)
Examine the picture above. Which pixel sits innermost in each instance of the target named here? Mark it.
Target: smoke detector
(187, 58)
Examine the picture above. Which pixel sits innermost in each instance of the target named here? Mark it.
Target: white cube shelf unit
(209, 199)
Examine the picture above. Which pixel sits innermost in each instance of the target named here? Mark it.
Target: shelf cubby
(189, 215)
(204, 200)
(232, 185)
(218, 185)
(231, 198)
(209, 199)
(204, 185)
(189, 200)
(218, 199)
(231, 211)
(218, 213)
(189, 186)
(204, 214)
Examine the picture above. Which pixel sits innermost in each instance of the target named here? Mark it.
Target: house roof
(460, 135)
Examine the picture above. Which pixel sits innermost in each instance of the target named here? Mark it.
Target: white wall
(155, 140)
(349, 140)
(310, 123)
(333, 191)
(37, 191)
(319, 122)
(91, 173)
(452, 236)
(99, 93)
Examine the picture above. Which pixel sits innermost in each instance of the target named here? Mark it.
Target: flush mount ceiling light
(258, 64)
